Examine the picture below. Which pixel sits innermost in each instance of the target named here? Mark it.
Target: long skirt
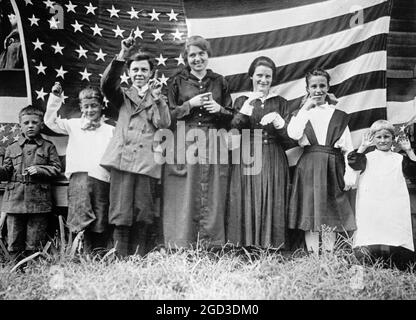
(317, 195)
(258, 204)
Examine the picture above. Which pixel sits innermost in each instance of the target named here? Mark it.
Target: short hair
(199, 42)
(382, 125)
(141, 56)
(317, 72)
(91, 92)
(31, 110)
(262, 61)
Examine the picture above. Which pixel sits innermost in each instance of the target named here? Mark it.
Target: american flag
(72, 42)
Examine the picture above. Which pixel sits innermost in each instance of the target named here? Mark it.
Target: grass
(198, 274)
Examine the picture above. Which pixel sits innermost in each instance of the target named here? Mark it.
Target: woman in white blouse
(318, 191)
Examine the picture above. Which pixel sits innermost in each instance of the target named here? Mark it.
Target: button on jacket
(132, 147)
(34, 194)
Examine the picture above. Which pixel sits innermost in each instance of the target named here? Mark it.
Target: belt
(201, 125)
(323, 149)
(27, 179)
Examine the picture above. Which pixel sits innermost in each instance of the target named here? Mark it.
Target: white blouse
(85, 147)
(320, 116)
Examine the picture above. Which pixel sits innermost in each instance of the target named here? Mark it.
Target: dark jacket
(31, 194)
(185, 86)
(132, 147)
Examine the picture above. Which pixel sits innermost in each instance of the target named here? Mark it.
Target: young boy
(29, 166)
(130, 154)
(88, 190)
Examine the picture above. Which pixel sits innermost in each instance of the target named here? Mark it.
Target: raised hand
(155, 87)
(310, 102)
(126, 45)
(367, 141)
(404, 143)
(332, 99)
(57, 89)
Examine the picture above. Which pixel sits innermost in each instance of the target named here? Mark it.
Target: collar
(141, 91)
(141, 102)
(87, 124)
(257, 95)
(323, 106)
(186, 74)
(22, 140)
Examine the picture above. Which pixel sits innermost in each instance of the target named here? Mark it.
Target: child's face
(383, 139)
(30, 125)
(318, 88)
(140, 72)
(91, 108)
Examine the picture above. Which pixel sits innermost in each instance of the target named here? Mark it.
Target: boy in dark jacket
(29, 165)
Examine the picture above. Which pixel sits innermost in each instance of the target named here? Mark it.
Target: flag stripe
(401, 90)
(363, 119)
(276, 19)
(10, 108)
(374, 97)
(281, 37)
(220, 8)
(369, 64)
(356, 70)
(12, 83)
(294, 71)
(300, 51)
(399, 112)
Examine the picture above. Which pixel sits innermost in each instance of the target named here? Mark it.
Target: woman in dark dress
(194, 192)
(257, 212)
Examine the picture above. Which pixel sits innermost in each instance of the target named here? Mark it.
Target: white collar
(141, 91)
(323, 106)
(258, 95)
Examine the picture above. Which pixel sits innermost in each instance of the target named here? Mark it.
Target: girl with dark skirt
(318, 190)
(257, 213)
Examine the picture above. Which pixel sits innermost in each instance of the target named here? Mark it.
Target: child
(318, 196)
(88, 190)
(383, 205)
(29, 165)
(131, 153)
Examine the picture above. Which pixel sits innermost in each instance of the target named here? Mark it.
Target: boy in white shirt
(88, 191)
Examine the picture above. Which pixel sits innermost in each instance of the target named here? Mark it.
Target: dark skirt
(88, 201)
(194, 202)
(317, 192)
(257, 208)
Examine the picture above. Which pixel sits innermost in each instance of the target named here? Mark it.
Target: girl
(258, 204)
(194, 194)
(383, 205)
(318, 196)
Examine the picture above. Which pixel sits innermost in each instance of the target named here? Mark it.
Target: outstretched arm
(51, 118)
